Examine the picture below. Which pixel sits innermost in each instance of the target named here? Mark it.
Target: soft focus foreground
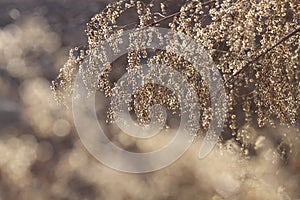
(41, 154)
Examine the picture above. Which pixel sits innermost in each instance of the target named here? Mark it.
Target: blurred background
(41, 156)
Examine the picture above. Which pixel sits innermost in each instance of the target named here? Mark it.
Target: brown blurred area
(41, 156)
(36, 135)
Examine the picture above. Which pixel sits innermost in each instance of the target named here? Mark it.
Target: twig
(158, 13)
(246, 66)
(176, 14)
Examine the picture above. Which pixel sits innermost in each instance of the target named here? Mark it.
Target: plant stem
(246, 66)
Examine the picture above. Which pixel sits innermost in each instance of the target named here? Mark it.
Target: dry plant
(255, 44)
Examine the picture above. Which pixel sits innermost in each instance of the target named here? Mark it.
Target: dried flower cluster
(255, 45)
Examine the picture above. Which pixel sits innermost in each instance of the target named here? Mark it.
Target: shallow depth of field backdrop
(41, 156)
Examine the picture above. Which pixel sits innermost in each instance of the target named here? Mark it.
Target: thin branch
(127, 25)
(246, 66)
(158, 13)
(177, 14)
(163, 19)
